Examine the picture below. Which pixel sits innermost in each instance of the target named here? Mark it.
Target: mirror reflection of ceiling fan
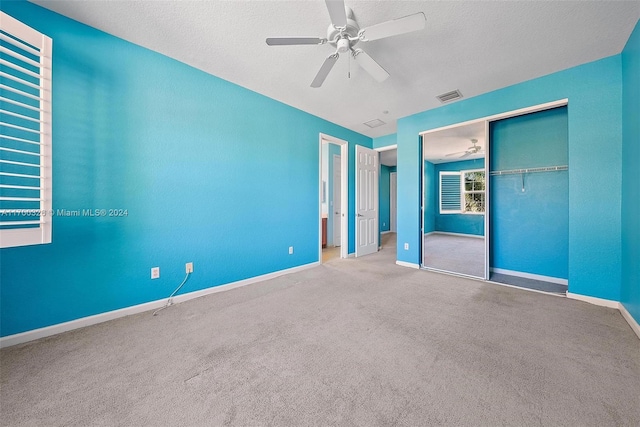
(344, 34)
(474, 149)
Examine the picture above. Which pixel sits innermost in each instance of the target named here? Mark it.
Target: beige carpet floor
(353, 342)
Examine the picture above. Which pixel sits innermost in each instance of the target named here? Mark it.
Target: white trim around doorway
(344, 196)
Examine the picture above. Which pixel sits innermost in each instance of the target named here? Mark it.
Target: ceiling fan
(344, 34)
(474, 149)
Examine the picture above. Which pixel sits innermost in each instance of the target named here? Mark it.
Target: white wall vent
(450, 96)
(374, 123)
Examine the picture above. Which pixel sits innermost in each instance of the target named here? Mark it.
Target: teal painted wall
(384, 141)
(530, 228)
(630, 178)
(451, 223)
(209, 172)
(384, 199)
(594, 91)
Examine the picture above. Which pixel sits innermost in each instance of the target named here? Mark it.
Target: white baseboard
(59, 328)
(408, 264)
(549, 279)
(520, 288)
(140, 308)
(35, 334)
(593, 300)
(386, 232)
(446, 233)
(630, 320)
(610, 304)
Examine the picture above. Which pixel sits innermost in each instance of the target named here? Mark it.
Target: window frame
(462, 192)
(22, 232)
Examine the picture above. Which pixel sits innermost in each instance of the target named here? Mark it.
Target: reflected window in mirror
(473, 191)
(462, 192)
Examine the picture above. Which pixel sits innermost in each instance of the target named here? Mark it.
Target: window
(462, 192)
(473, 191)
(25, 135)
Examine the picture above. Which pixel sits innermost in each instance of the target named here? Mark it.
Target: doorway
(333, 198)
(388, 197)
(393, 201)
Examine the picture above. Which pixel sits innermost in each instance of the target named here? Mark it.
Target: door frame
(380, 150)
(487, 120)
(344, 190)
(393, 196)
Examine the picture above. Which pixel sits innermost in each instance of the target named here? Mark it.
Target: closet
(529, 200)
(495, 200)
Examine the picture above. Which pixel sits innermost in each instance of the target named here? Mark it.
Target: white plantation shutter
(450, 188)
(25, 134)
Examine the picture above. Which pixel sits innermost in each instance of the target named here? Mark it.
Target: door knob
(360, 215)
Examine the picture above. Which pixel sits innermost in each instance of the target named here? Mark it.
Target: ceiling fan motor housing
(333, 34)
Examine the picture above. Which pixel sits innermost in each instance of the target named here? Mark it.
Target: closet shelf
(530, 170)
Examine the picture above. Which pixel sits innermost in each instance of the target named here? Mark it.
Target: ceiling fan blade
(466, 154)
(288, 41)
(324, 70)
(394, 27)
(455, 154)
(337, 13)
(369, 65)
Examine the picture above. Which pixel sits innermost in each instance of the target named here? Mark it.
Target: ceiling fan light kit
(344, 33)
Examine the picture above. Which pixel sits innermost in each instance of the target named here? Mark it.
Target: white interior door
(337, 197)
(393, 200)
(366, 201)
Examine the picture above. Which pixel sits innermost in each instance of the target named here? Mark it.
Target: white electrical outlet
(406, 246)
(290, 250)
(384, 224)
(189, 267)
(155, 272)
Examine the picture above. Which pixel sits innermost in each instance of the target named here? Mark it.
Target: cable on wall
(170, 300)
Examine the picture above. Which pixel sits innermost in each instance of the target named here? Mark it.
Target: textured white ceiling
(473, 46)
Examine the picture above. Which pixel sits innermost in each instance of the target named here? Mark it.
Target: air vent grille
(374, 123)
(450, 96)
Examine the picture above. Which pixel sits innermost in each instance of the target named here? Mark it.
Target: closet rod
(530, 170)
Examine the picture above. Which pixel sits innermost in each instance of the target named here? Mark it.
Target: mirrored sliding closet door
(454, 200)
